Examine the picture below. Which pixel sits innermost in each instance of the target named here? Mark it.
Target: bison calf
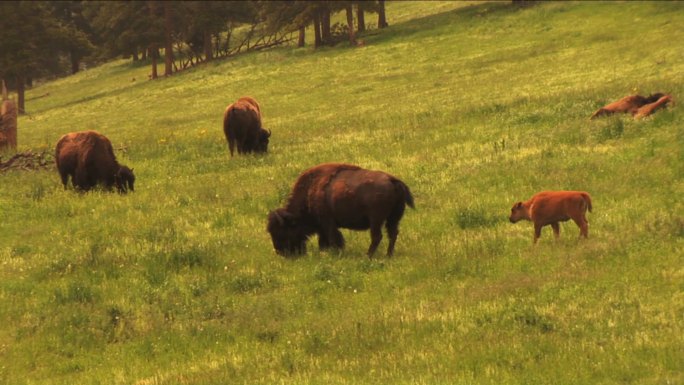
(242, 127)
(88, 158)
(551, 207)
(650, 108)
(335, 195)
(630, 104)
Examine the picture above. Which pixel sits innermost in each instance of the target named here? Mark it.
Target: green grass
(473, 106)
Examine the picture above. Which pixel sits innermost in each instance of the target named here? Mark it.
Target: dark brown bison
(630, 104)
(88, 157)
(650, 108)
(332, 196)
(242, 127)
(551, 207)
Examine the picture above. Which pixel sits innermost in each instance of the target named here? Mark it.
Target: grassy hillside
(475, 107)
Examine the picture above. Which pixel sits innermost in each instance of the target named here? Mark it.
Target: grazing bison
(551, 207)
(332, 196)
(88, 157)
(630, 104)
(650, 108)
(242, 127)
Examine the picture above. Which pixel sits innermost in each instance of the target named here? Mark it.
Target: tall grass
(474, 106)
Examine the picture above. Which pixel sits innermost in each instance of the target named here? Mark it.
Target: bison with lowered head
(551, 207)
(242, 127)
(335, 195)
(88, 157)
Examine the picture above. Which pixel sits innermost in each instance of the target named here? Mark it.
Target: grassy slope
(474, 107)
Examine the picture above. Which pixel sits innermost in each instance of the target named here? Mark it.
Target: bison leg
(323, 242)
(556, 229)
(392, 233)
(80, 180)
(337, 239)
(599, 112)
(231, 143)
(65, 178)
(537, 232)
(376, 237)
(330, 237)
(583, 225)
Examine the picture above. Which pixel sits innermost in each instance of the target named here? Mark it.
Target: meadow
(473, 105)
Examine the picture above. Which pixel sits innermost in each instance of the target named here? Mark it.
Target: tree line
(47, 39)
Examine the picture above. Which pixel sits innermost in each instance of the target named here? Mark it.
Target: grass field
(474, 106)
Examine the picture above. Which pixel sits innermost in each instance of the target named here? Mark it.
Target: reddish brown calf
(650, 108)
(630, 104)
(551, 207)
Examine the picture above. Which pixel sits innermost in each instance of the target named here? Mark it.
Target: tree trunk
(135, 55)
(75, 62)
(208, 52)
(382, 19)
(350, 24)
(317, 31)
(325, 26)
(168, 41)
(360, 19)
(302, 37)
(154, 53)
(21, 94)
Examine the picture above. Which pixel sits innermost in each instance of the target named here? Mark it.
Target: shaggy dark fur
(242, 127)
(88, 157)
(332, 196)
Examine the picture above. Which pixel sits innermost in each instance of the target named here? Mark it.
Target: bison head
(124, 179)
(287, 233)
(518, 212)
(262, 142)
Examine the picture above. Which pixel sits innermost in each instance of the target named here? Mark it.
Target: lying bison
(332, 196)
(88, 157)
(242, 127)
(551, 207)
(630, 104)
(650, 108)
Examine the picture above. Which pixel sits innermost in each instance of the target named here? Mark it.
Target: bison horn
(268, 131)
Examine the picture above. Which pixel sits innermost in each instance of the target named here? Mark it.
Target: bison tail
(587, 199)
(230, 133)
(408, 198)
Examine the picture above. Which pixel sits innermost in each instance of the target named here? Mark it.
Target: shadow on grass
(463, 15)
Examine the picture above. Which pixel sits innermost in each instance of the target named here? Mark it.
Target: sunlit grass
(473, 106)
